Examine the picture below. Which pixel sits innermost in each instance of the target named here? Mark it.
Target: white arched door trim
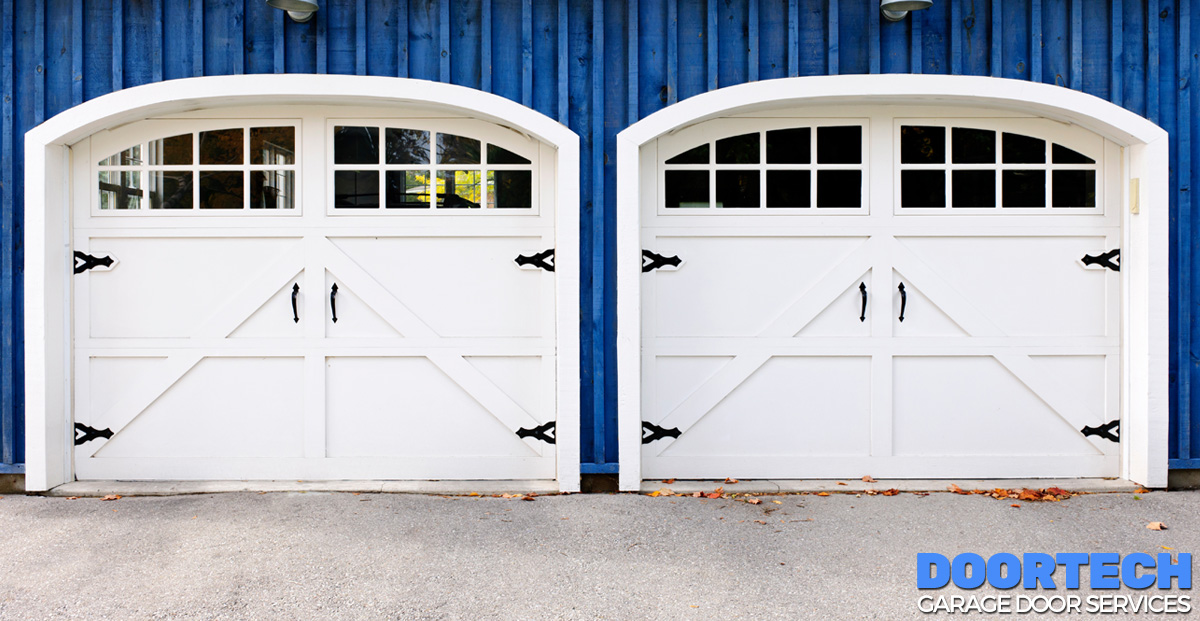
(48, 249)
(1144, 334)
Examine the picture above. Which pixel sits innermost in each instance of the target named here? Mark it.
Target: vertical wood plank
(197, 37)
(526, 53)
(1152, 62)
(238, 51)
(956, 51)
(772, 39)
(1035, 40)
(1116, 87)
(323, 40)
(1077, 44)
(8, 306)
(712, 51)
(731, 41)
(632, 60)
(39, 57)
(485, 44)
(156, 61)
(360, 37)
(793, 19)
(402, 30)
(118, 45)
(874, 42)
(1094, 51)
(277, 47)
(76, 54)
(752, 43)
(598, 234)
(444, 40)
(1184, 234)
(915, 56)
(545, 56)
(672, 51)
(564, 93)
(996, 59)
(831, 52)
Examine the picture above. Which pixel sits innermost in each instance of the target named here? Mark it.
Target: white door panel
(985, 348)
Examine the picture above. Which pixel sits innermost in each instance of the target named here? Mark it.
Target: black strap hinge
(85, 262)
(543, 259)
(652, 261)
(84, 434)
(544, 432)
(657, 433)
(1110, 259)
(1109, 431)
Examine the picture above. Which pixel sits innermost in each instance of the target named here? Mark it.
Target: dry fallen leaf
(72, 497)
(1156, 526)
(668, 481)
(730, 480)
(890, 492)
(759, 522)
(1141, 490)
(1057, 491)
(870, 492)
(1166, 548)
(716, 493)
(1015, 506)
(473, 494)
(840, 483)
(661, 492)
(822, 493)
(868, 479)
(778, 502)
(111, 497)
(697, 494)
(1029, 494)
(754, 501)
(957, 490)
(529, 497)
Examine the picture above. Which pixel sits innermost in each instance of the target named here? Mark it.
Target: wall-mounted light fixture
(896, 10)
(298, 10)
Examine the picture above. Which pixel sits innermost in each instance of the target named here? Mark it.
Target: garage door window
(397, 168)
(238, 168)
(788, 168)
(946, 166)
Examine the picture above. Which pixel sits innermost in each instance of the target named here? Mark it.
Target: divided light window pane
(453, 149)
(697, 155)
(407, 146)
(222, 146)
(355, 145)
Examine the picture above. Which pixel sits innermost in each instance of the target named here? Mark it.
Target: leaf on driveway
(754, 501)
(1156, 526)
(1029, 494)
(72, 497)
(840, 483)
(111, 497)
(1015, 506)
(668, 481)
(1057, 491)
(659, 492)
(958, 490)
(730, 480)
(890, 492)
(822, 493)
(869, 479)
(716, 493)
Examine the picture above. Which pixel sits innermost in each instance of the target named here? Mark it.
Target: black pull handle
(295, 311)
(333, 301)
(903, 300)
(862, 288)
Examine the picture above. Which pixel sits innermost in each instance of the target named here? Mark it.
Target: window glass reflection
(408, 189)
(458, 189)
(355, 145)
(273, 145)
(457, 150)
(407, 146)
(171, 189)
(172, 151)
(510, 189)
(355, 189)
(223, 146)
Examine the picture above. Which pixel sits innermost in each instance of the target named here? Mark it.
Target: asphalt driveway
(312, 555)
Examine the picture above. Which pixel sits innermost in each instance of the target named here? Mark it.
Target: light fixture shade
(905, 5)
(305, 6)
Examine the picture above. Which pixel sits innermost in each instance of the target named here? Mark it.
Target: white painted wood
(1059, 344)
(232, 331)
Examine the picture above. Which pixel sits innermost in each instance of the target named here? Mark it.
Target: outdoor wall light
(896, 10)
(303, 10)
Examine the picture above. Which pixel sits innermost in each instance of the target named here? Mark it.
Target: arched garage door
(314, 293)
(908, 292)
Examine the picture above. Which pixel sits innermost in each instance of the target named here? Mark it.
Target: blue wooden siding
(597, 67)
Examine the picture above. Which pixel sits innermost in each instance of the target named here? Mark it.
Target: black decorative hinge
(1109, 431)
(543, 259)
(657, 433)
(544, 432)
(1110, 259)
(652, 261)
(83, 434)
(85, 262)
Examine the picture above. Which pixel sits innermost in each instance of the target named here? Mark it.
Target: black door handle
(333, 301)
(295, 311)
(903, 300)
(862, 287)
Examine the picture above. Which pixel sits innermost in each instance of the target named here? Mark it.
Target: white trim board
(48, 226)
(1144, 333)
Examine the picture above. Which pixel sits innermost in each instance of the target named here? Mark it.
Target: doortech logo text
(1037, 572)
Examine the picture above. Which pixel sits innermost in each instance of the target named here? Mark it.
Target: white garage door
(314, 297)
(900, 292)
